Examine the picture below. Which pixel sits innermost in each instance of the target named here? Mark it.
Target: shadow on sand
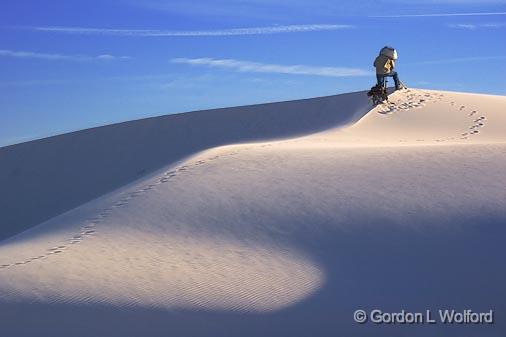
(43, 178)
(372, 266)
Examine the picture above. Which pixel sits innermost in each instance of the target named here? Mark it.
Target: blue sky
(72, 64)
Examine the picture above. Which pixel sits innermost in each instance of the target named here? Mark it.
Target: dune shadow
(43, 178)
(376, 266)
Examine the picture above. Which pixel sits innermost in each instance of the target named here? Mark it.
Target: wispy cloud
(254, 67)
(196, 33)
(283, 10)
(153, 78)
(260, 10)
(472, 26)
(29, 83)
(58, 57)
(438, 15)
(458, 60)
(448, 2)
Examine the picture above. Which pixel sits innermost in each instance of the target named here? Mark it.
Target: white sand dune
(228, 233)
(53, 175)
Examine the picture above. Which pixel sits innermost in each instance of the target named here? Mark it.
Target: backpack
(377, 90)
(378, 93)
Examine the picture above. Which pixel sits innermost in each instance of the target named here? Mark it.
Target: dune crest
(351, 216)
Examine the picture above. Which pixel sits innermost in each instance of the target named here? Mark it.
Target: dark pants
(381, 79)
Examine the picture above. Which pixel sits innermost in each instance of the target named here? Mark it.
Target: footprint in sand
(89, 230)
(147, 188)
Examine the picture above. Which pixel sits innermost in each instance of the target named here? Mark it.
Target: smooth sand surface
(403, 209)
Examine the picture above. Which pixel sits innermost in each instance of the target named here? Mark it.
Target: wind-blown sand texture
(275, 220)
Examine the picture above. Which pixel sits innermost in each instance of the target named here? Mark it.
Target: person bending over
(385, 64)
